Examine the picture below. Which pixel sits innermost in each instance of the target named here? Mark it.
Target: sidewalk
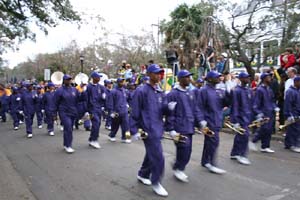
(12, 186)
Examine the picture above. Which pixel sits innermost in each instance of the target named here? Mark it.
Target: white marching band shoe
(29, 135)
(180, 175)
(214, 169)
(160, 190)
(95, 144)
(69, 149)
(267, 150)
(145, 181)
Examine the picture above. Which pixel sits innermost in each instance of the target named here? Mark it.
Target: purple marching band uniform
(117, 104)
(66, 100)
(38, 106)
(15, 107)
(292, 112)
(96, 100)
(29, 98)
(82, 112)
(241, 114)
(263, 106)
(106, 112)
(182, 120)
(49, 107)
(211, 102)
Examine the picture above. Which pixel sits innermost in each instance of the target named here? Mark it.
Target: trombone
(206, 131)
(259, 123)
(178, 139)
(282, 127)
(239, 130)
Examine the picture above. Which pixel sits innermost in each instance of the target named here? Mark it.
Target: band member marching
(49, 108)
(181, 120)
(96, 100)
(38, 106)
(118, 108)
(292, 113)
(149, 105)
(240, 117)
(211, 102)
(66, 100)
(264, 107)
(15, 107)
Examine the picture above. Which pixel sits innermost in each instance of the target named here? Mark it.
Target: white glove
(43, 111)
(113, 115)
(203, 124)
(173, 134)
(84, 88)
(103, 96)
(86, 115)
(172, 105)
(236, 126)
(18, 99)
(291, 119)
(259, 116)
(21, 112)
(277, 109)
(136, 136)
(102, 108)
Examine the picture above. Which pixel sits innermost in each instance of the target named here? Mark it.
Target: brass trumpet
(259, 123)
(282, 127)
(207, 131)
(127, 135)
(178, 139)
(143, 134)
(239, 130)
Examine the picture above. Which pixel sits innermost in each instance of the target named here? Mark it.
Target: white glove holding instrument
(173, 134)
(172, 105)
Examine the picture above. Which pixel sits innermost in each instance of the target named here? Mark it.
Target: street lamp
(81, 62)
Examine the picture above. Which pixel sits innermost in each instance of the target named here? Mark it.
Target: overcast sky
(119, 15)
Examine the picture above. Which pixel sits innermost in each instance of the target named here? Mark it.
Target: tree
(17, 18)
(190, 28)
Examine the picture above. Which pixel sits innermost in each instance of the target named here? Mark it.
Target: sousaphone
(57, 78)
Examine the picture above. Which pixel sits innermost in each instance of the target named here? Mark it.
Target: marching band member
(181, 120)
(108, 86)
(149, 104)
(15, 107)
(38, 106)
(264, 107)
(82, 108)
(96, 99)
(29, 98)
(118, 108)
(292, 113)
(49, 107)
(211, 102)
(240, 116)
(66, 100)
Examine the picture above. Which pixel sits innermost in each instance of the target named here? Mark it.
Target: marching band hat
(264, 75)
(95, 75)
(212, 74)
(120, 79)
(67, 77)
(297, 78)
(184, 73)
(154, 68)
(200, 80)
(243, 75)
(50, 84)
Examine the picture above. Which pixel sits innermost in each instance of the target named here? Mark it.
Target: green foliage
(18, 16)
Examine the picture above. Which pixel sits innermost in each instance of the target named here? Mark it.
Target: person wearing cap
(29, 99)
(38, 107)
(264, 107)
(82, 108)
(108, 87)
(96, 101)
(148, 107)
(117, 106)
(15, 106)
(240, 117)
(292, 113)
(66, 100)
(183, 115)
(211, 102)
(4, 101)
(48, 107)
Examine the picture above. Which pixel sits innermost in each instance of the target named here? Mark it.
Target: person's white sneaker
(21, 122)
(267, 150)
(69, 149)
(51, 133)
(29, 135)
(112, 139)
(214, 169)
(295, 149)
(40, 126)
(127, 141)
(95, 144)
(252, 146)
(145, 181)
(16, 128)
(108, 127)
(158, 189)
(234, 157)
(244, 160)
(180, 175)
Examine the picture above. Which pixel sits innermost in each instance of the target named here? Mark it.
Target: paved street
(38, 168)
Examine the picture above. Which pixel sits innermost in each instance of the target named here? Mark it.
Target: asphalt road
(38, 168)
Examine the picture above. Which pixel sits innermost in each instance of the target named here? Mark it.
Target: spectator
(287, 59)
